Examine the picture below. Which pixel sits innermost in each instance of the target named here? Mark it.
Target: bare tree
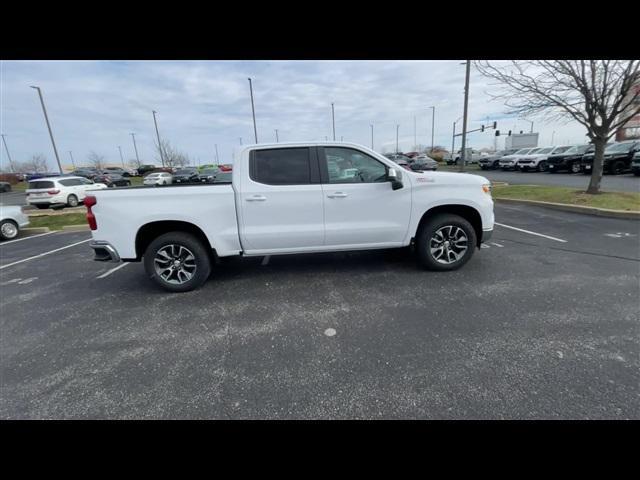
(96, 160)
(36, 164)
(599, 94)
(172, 157)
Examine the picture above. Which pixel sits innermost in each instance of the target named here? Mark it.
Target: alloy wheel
(448, 244)
(175, 264)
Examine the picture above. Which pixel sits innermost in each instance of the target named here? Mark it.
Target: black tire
(617, 168)
(636, 173)
(72, 201)
(428, 232)
(8, 230)
(574, 167)
(194, 246)
(542, 166)
(42, 207)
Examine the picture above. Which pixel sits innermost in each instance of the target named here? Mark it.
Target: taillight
(90, 201)
(53, 192)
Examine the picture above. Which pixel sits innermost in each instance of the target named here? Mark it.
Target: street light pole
(253, 111)
(158, 135)
(333, 121)
(371, 136)
(415, 133)
(453, 140)
(133, 136)
(72, 162)
(46, 118)
(217, 157)
(433, 120)
(7, 150)
(397, 129)
(121, 157)
(277, 139)
(240, 140)
(464, 121)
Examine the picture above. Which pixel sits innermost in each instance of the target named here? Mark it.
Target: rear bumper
(104, 252)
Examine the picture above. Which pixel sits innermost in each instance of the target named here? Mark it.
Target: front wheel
(542, 166)
(574, 168)
(8, 230)
(445, 242)
(617, 168)
(177, 261)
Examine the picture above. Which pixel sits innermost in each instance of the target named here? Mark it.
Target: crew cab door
(360, 206)
(281, 201)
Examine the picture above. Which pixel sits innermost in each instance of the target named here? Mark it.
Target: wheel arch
(471, 214)
(152, 230)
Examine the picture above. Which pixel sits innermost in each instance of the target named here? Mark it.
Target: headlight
(486, 188)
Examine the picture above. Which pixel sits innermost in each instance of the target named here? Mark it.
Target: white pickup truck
(292, 198)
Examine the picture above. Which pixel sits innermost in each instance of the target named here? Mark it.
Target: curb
(35, 229)
(600, 212)
(78, 228)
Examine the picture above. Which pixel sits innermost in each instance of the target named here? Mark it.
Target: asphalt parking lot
(532, 327)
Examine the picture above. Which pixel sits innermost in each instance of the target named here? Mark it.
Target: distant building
(631, 130)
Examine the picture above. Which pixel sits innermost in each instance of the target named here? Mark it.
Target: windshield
(577, 149)
(523, 151)
(534, 151)
(543, 150)
(618, 147)
(561, 149)
(184, 172)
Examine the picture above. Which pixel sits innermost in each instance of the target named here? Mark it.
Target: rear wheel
(177, 261)
(542, 166)
(8, 229)
(72, 201)
(445, 242)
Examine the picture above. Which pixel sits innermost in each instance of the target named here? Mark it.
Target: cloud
(95, 105)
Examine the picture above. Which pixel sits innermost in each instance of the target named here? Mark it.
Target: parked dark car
(617, 157)
(34, 176)
(186, 175)
(421, 164)
(112, 179)
(89, 173)
(5, 187)
(144, 169)
(635, 164)
(208, 175)
(492, 162)
(117, 170)
(571, 160)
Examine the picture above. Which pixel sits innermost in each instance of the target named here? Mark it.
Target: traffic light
(509, 133)
(497, 133)
(495, 124)
(520, 132)
(482, 128)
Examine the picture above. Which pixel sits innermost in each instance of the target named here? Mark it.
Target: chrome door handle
(256, 198)
(337, 195)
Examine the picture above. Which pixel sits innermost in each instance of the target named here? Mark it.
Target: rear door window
(281, 166)
(40, 185)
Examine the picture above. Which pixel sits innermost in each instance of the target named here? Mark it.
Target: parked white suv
(510, 162)
(58, 192)
(537, 160)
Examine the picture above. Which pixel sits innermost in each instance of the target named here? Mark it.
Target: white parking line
(497, 244)
(25, 238)
(45, 253)
(530, 233)
(109, 272)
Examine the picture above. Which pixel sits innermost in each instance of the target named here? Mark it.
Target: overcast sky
(95, 105)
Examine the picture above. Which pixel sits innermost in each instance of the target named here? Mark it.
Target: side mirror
(395, 177)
